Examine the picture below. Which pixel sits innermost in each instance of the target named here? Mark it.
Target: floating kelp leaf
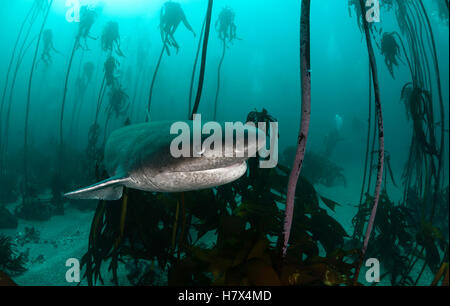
(170, 18)
(391, 240)
(355, 5)
(306, 199)
(443, 272)
(284, 169)
(317, 168)
(279, 183)
(391, 173)
(88, 15)
(432, 257)
(328, 231)
(225, 25)
(118, 101)
(427, 237)
(88, 70)
(48, 47)
(111, 38)
(391, 51)
(442, 7)
(417, 101)
(110, 67)
(329, 203)
(5, 280)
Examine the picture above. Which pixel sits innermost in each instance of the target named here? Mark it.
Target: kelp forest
(278, 226)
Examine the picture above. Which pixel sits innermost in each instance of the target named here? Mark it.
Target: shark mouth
(231, 166)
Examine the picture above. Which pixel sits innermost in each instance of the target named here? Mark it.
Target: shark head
(215, 161)
(142, 157)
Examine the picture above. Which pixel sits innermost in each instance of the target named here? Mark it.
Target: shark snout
(241, 143)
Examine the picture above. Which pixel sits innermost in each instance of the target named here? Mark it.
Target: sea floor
(65, 237)
(61, 238)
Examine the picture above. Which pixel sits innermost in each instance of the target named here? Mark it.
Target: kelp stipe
(424, 168)
(204, 55)
(31, 15)
(171, 16)
(379, 116)
(194, 69)
(305, 70)
(87, 19)
(226, 28)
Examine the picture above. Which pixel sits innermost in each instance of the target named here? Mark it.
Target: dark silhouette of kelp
(226, 28)
(390, 50)
(305, 76)
(203, 62)
(82, 84)
(171, 16)
(111, 38)
(380, 125)
(38, 7)
(48, 47)
(11, 262)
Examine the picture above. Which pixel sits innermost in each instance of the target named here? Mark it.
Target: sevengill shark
(139, 157)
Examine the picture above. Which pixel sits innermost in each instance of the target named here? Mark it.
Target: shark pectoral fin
(109, 190)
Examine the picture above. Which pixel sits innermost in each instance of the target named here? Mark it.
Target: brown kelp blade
(441, 274)
(5, 280)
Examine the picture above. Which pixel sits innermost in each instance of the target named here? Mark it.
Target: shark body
(139, 157)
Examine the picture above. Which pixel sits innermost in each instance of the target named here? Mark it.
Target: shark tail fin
(109, 190)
